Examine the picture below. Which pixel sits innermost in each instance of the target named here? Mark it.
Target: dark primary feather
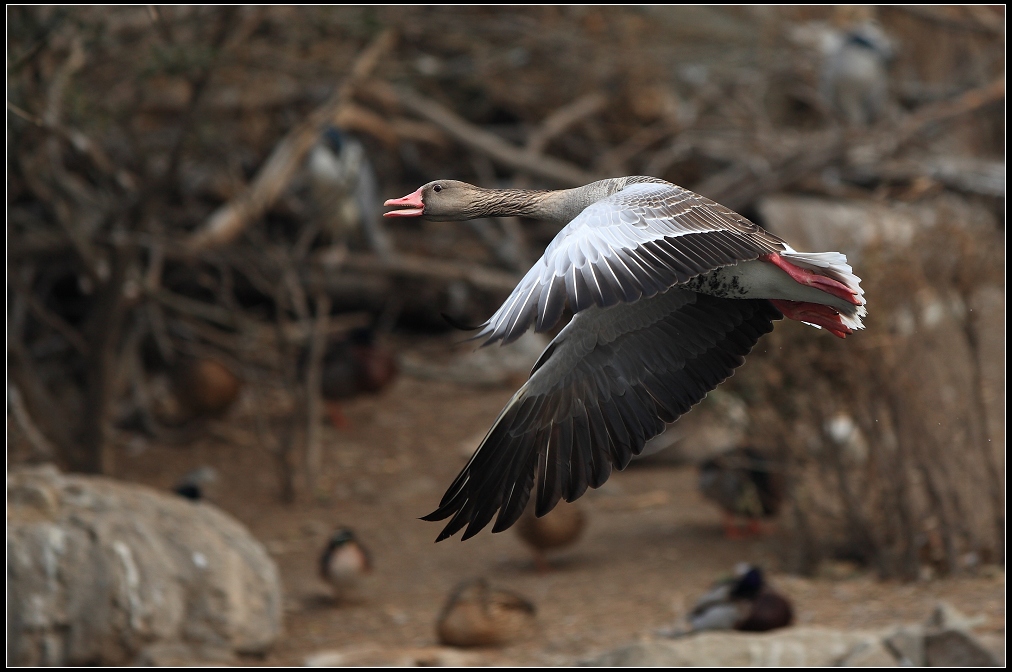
(607, 383)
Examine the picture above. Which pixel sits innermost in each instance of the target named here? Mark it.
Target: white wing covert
(635, 243)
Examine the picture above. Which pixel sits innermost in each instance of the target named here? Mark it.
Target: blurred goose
(478, 615)
(744, 602)
(670, 291)
(558, 529)
(353, 365)
(745, 483)
(344, 564)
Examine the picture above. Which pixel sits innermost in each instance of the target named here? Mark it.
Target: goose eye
(438, 188)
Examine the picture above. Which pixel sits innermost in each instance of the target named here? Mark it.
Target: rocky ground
(651, 547)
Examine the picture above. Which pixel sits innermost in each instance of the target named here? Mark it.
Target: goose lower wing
(607, 383)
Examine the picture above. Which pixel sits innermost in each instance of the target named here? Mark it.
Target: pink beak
(413, 200)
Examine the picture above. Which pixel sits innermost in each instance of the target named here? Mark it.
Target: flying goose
(670, 291)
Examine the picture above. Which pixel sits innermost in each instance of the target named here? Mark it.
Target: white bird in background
(855, 73)
(345, 190)
(670, 291)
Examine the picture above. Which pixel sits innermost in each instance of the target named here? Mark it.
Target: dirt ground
(651, 547)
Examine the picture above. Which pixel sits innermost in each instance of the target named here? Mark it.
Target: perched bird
(478, 615)
(670, 291)
(558, 529)
(194, 484)
(745, 483)
(743, 602)
(855, 79)
(345, 190)
(351, 366)
(344, 564)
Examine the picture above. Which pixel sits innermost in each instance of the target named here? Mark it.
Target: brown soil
(651, 547)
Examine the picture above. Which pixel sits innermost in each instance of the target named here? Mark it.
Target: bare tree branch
(314, 408)
(230, 219)
(556, 170)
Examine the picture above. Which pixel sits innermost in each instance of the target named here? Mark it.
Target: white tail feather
(835, 266)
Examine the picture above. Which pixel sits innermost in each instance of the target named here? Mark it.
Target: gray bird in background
(855, 80)
(345, 191)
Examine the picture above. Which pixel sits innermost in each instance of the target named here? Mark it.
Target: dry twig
(547, 167)
(230, 219)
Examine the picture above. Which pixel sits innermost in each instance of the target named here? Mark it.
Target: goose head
(447, 200)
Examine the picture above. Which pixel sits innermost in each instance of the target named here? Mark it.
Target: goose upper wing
(607, 383)
(634, 243)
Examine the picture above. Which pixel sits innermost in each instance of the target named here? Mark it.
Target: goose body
(670, 291)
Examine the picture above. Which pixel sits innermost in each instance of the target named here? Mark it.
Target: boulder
(948, 641)
(907, 644)
(870, 654)
(104, 572)
(377, 656)
(806, 647)
(956, 648)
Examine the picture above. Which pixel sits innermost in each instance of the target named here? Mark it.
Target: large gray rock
(102, 572)
(376, 656)
(853, 227)
(949, 642)
(956, 648)
(805, 647)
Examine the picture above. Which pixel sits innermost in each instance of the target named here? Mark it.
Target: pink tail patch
(814, 313)
(805, 277)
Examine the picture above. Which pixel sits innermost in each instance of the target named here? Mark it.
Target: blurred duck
(743, 602)
(344, 564)
(204, 387)
(746, 484)
(345, 190)
(478, 615)
(559, 528)
(194, 485)
(351, 366)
